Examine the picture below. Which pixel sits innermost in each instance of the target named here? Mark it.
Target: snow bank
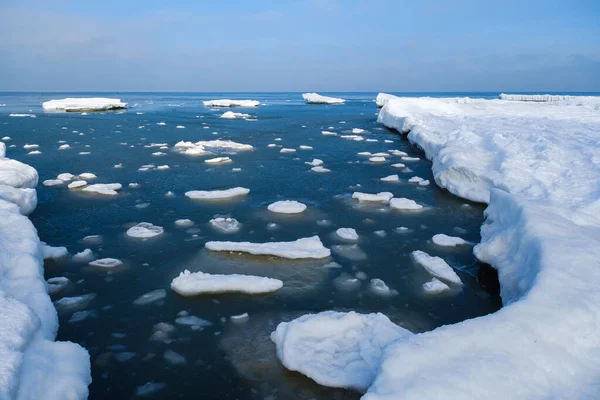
(314, 98)
(192, 284)
(310, 247)
(382, 99)
(32, 364)
(231, 103)
(336, 349)
(84, 104)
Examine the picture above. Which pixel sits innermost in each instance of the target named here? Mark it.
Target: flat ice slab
(310, 247)
(107, 189)
(403, 203)
(234, 115)
(287, 207)
(144, 230)
(436, 266)
(84, 104)
(336, 349)
(204, 147)
(381, 197)
(231, 103)
(217, 194)
(192, 284)
(448, 241)
(314, 98)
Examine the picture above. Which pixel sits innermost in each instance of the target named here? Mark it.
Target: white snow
(107, 189)
(310, 247)
(231, 103)
(192, 284)
(314, 98)
(22, 115)
(572, 100)
(347, 234)
(284, 150)
(32, 364)
(287, 207)
(415, 179)
(144, 230)
(217, 194)
(234, 115)
(403, 203)
(83, 104)
(204, 147)
(448, 241)
(336, 349)
(358, 131)
(436, 266)
(381, 197)
(383, 98)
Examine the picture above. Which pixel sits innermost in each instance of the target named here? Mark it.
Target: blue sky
(300, 45)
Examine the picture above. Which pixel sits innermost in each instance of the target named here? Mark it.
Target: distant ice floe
(390, 178)
(336, 349)
(192, 284)
(544, 98)
(436, 266)
(84, 104)
(287, 207)
(231, 103)
(320, 169)
(204, 147)
(217, 194)
(218, 160)
(22, 115)
(310, 247)
(314, 98)
(448, 241)
(234, 115)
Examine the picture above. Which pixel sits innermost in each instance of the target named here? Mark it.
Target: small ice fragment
(144, 230)
(320, 169)
(347, 234)
(77, 184)
(238, 319)
(435, 286)
(184, 223)
(404, 204)
(218, 160)
(378, 287)
(436, 266)
(54, 253)
(56, 285)
(287, 207)
(150, 297)
(106, 263)
(174, 358)
(449, 241)
(225, 224)
(84, 256)
(315, 162)
(382, 197)
(192, 284)
(217, 194)
(391, 178)
(149, 388)
(65, 176)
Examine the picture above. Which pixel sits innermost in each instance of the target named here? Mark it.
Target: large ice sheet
(336, 349)
(310, 247)
(314, 98)
(84, 104)
(32, 365)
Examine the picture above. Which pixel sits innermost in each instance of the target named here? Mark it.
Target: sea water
(131, 344)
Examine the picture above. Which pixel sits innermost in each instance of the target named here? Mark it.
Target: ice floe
(381, 197)
(436, 266)
(309, 247)
(204, 147)
(192, 284)
(390, 178)
(448, 241)
(234, 115)
(83, 104)
(287, 207)
(217, 194)
(347, 234)
(231, 103)
(314, 98)
(435, 286)
(106, 263)
(107, 189)
(144, 230)
(403, 203)
(225, 224)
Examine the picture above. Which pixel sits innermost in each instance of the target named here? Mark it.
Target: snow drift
(537, 165)
(32, 365)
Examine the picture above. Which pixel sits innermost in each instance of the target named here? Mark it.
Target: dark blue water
(229, 360)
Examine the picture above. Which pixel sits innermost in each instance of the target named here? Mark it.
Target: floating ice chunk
(336, 349)
(92, 239)
(383, 98)
(424, 183)
(225, 224)
(218, 160)
(77, 184)
(87, 176)
(436, 266)
(284, 150)
(398, 153)
(287, 207)
(149, 388)
(124, 356)
(195, 322)
(174, 358)
(315, 162)
(231, 103)
(346, 283)
(347, 233)
(352, 137)
(217, 194)
(415, 179)
(56, 285)
(106, 263)
(22, 115)
(180, 127)
(349, 251)
(304, 147)
(133, 185)
(70, 304)
(107, 189)
(144, 230)
(398, 165)
(65, 176)
(161, 123)
(377, 159)
(328, 133)
(435, 286)
(83, 104)
(34, 152)
(204, 147)
(381, 197)
(407, 158)
(150, 297)
(81, 315)
(310, 247)
(6, 138)
(403, 203)
(358, 131)
(234, 115)
(391, 178)
(54, 253)
(449, 241)
(320, 169)
(379, 288)
(162, 167)
(271, 145)
(119, 165)
(64, 147)
(364, 153)
(84, 256)
(184, 223)
(31, 146)
(241, 318)
(314, 98)
(192, 284)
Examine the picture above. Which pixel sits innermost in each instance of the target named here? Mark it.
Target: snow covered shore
(32, 365)
(537, 165)
(74, 104)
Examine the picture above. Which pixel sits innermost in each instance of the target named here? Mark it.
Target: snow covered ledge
(536, 164)
(32, 364)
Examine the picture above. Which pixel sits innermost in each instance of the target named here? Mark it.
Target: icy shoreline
(32, 364)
